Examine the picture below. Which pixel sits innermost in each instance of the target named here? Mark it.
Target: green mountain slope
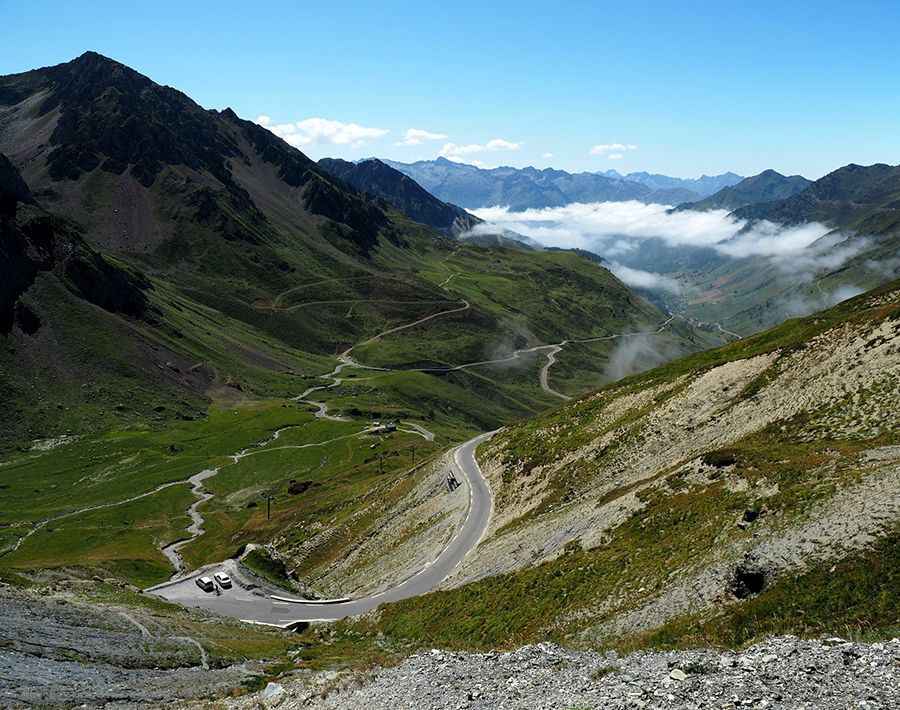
(744, 491)
(862, 207)
(765, 187)
(174, 279)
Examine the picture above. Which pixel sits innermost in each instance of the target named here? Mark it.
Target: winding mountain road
(250, 602)
(270, 607)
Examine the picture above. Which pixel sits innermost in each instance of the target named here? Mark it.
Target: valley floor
(782, 672)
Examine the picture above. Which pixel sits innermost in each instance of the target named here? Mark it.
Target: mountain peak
(767, 186)
(97, 65)
(378, 179)
(113, 116)
(92, 56)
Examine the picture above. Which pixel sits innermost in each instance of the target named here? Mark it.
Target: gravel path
(780, 673)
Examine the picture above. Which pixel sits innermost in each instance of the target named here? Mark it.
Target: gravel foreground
(783, 672)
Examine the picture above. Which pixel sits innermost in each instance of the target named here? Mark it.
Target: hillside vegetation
(183, 291)
(768, 186)
(251, 264)
(744, 491)
(860, 205)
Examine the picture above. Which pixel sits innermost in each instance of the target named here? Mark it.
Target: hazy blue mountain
(702, 186)
(768, 186)
(524, 188)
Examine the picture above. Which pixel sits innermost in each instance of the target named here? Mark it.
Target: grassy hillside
(204, 275)
(862, 206)
(253, 264)
(738, 492)
(768, 186)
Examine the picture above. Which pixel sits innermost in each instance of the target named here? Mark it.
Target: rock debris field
(783, 672)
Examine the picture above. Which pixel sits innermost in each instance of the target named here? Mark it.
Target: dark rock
(749, 578)
(298, 487)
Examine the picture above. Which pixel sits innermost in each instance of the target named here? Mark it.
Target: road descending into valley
(252, 600)
(249, 599)
(269, 606)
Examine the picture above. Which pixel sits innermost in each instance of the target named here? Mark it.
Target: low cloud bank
(581, 224)
(826, 254)
(888, 268)
(613, 229)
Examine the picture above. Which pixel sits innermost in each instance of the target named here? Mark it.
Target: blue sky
(680, 88)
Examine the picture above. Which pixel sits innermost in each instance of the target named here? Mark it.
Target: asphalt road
(258, 605)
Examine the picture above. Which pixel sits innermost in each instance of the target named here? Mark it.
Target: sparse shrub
(719, 459)
(697, 667)
(603, 671)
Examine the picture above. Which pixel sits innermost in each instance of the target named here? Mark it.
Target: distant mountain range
(526, 188)
(703, 186)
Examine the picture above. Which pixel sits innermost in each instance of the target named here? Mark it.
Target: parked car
(206, 584)
(223, 579)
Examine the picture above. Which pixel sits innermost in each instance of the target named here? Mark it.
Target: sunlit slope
(747, 490)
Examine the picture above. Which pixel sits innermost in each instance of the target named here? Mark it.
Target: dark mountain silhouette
(95, 122)
(379, 180)
(33, 242)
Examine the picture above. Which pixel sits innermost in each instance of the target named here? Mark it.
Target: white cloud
(547, 155)
(615, 156)
(466, 161)
(500, 144)
(825, 254)
(770, 239)
(417, 136)
(453, 151)
(612, 148)
(644, 279)
(610, 227)
(580, 224)
(322, 130)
